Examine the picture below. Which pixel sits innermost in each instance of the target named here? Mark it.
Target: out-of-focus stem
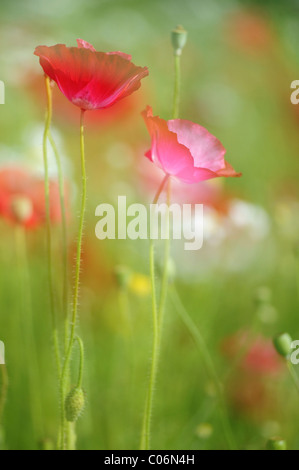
(3, 389)
(48, 222)
(146, 427)
(27, 322)
(209, 365)
(64, 235)
(293, 375)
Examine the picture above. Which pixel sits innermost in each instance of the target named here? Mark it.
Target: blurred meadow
(241, 289)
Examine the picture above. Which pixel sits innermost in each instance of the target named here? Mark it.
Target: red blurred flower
(257, 354)
(185, 150)
(90, 79)
(22, 198)
(251, 31)
(251, 387)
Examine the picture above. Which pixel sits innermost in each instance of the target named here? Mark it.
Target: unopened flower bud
(178, 39)
(282, 344)
(276, 444)
(74, 404)
(21, 208)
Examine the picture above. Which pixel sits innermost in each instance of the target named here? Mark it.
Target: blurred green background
(237, 67)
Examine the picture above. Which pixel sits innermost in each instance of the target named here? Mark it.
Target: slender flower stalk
(48, 223)
(65, 369)
(159, 307)
(293, 374)
(64, 235)
(177, 80)
(3, 395)
(208, 362)
(65, 268)
(146, 426)
(81, 363)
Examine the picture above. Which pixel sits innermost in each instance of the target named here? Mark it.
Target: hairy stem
(66, 364)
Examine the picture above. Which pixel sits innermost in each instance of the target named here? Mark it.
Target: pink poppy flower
(90, 79)
(22, 198)
(185, 150)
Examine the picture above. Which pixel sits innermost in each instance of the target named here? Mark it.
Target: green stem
(65, 261)
(64, 235)
(177, 84)
(293, 375)
(158, 314)
(77, 279)
(209, 365)
(146, 427)
(165, 276)
(4, 387)
(48, 223)
(81, 364)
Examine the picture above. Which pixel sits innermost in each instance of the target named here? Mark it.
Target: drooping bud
(74, 404)
(22, 208)
(178, 39)
(282, 344)
(276, 444)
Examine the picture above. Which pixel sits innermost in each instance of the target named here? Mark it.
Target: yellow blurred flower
(204, 430)
(140, 284)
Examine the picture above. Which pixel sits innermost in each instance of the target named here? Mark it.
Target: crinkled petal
(89, 79)
(207, 151)
(85, 45)
(185, 150)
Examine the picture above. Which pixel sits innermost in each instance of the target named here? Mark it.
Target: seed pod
(74, 404)
(178, 39)
(282, 344)
(276, 444)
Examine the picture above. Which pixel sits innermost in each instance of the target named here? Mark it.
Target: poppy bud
(276, 444)
(22, 208)
(178, 39)
(74, 404)
(282, 344)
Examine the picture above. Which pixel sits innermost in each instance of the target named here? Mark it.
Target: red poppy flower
(22, 198)
(186, 150)
(90, 79)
